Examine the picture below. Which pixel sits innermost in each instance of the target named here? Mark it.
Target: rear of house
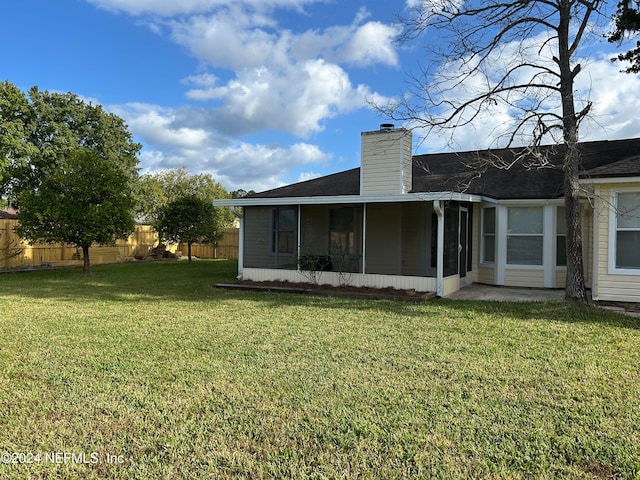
(441, 221)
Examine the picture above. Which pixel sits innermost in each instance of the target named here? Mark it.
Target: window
(524, 235)
(561, 237)
(284, 227)
(489, 235)
(627, 230)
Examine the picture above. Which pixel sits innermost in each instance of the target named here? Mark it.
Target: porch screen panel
(284, 227)
(345, 238)
(525, 236)
(451, 225)
(628, 230)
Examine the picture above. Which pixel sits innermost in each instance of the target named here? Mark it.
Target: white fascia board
(348, 199)
(596, 181)
(526, 201)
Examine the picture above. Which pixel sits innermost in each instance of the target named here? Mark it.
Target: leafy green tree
(159, 189)
(85, 199)
(54, 126)
(189, 219)
(15, 147)
(627, 21)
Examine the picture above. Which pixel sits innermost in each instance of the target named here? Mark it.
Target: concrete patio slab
(507, 294)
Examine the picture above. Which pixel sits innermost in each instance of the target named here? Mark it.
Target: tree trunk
(86, 268)
(189, 251)
(575, 282)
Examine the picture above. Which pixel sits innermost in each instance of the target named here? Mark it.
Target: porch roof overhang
(348, 199)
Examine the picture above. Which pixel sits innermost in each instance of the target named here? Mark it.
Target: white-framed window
(488, 248)
(624, 238)
(525, 232)
(561, 237)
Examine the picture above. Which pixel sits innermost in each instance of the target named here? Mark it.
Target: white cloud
(168, 144)
(169, 8)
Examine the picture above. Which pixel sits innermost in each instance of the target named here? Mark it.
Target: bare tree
(515, 62)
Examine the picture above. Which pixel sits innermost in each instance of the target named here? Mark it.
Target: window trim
(541, 235)
(613, 232)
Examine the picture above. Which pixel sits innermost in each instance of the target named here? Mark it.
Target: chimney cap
(387, 126)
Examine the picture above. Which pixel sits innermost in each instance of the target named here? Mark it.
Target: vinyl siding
(515, 277)
(611, 287)
(386, 162)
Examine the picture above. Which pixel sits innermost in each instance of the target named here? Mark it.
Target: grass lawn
(146, 371)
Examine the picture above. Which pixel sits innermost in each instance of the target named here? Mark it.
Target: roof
(470, 173)
(623, 168)
(8, 216)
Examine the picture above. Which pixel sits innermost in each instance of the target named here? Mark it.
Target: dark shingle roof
(8, 216)
(623, 168)
(463, 172)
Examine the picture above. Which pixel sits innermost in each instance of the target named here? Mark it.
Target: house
(438, 222)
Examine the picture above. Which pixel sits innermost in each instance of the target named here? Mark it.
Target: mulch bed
(330, 290)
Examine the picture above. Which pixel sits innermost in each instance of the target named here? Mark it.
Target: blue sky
(258, 93)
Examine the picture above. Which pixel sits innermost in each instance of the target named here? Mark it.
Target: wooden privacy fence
(227, 247)
(14, 253)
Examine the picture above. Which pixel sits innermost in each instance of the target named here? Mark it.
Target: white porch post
(437, 207)
(240, 242)
(549, 254)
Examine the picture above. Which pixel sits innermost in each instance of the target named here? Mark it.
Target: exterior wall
(420, 284)
(450, 285)
(610, 286)
(383, 245)
(515, 277)
(386, 162)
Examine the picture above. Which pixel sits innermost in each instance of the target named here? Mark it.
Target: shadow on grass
(195, 282)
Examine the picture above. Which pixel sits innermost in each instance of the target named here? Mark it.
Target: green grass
(171, 378)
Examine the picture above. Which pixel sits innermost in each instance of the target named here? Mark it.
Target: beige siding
(386, 162)
(611, 287)
(383, 239)
(485, 275)
(515, 277)
(450, 285)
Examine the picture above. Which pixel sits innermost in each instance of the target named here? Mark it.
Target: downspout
(437, 207)
(240, 216)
